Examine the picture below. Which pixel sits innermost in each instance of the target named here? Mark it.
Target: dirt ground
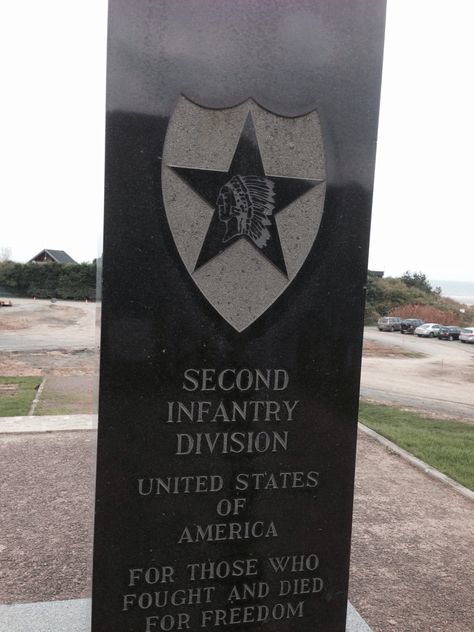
(387, 349)
(40, 315)
(68, 395)
(412, 563)
(49, 362)
(42, 325)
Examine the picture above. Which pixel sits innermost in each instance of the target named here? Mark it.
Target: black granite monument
(239, 168)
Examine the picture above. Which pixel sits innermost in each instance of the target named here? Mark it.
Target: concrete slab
(47, 423)
(355, 623)
(74, 616)
(52, 616)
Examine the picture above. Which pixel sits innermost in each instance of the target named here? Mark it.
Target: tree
(418, 280)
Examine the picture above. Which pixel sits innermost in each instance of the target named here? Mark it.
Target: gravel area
(413, 547)
(46, 495)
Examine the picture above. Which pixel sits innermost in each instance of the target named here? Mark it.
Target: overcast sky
(52, 130)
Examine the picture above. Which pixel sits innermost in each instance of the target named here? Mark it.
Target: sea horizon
(461, 291)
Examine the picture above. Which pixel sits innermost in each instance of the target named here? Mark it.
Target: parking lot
(436, 376)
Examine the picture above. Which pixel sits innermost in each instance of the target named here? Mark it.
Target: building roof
(59, 256)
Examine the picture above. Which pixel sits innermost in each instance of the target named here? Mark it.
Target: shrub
(412, 296)
(49, 280)
(429, 314)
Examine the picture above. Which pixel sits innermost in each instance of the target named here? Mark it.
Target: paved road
(441, 381)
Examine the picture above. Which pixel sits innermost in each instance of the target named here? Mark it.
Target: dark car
(408, 325)
(449, 333)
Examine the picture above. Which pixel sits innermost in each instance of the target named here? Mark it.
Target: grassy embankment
(447, 445)
(17, 394)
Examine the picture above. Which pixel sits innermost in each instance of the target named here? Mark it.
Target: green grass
(17, 401)
(447, 445)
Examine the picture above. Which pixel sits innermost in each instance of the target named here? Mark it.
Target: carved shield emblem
(244, 195)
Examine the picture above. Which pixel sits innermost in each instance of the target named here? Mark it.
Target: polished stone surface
(233, 308)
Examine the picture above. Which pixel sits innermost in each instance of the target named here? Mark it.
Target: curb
(34, 403)
(418, 463)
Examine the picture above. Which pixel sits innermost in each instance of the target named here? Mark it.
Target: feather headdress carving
(245, 204)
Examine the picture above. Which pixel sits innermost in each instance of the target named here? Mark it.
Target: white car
(467, 334)
(427, 330)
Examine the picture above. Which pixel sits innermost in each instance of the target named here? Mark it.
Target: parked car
(427, 330)
(449, 333)
(467, 334)
(408, 325)
(389, 323)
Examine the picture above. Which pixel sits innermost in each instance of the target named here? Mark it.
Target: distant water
(462, 291)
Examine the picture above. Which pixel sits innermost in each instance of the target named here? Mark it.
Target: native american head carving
(245, 204)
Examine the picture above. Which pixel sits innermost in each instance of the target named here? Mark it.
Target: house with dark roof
(52, 256)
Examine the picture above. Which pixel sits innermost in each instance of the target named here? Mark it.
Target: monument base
(74, 616)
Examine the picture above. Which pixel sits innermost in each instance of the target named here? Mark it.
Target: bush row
(49, 280)
(409, 296)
